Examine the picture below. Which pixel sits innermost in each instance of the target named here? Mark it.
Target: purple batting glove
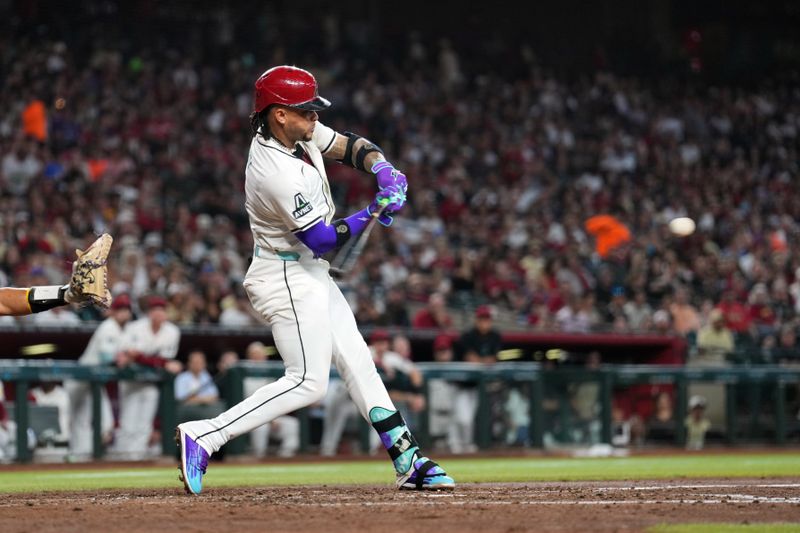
(385, 199)
(388, 175)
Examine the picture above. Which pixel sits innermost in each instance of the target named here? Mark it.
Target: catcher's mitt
(89, 281)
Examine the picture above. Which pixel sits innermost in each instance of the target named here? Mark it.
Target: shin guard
(396, 438)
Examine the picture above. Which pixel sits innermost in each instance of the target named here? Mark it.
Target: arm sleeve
(322, 237)
(323, 137)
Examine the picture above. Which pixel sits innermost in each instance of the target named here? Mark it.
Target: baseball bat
(344, 261)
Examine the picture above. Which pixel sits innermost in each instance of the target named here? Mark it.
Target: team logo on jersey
(301, 206)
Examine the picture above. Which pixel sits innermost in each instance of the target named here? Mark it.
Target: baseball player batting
(288, 200)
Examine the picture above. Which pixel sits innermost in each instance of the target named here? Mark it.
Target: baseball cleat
(194, 461)
(425, 475)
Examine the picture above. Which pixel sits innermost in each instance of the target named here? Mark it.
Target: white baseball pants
(137, 410)
(81, 436)
(312, 324)
(286, 429)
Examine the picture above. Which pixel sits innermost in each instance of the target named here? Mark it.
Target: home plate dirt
(513, 507)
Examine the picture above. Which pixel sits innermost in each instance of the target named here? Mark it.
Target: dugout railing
(737, 380)
(537, 382)
(23, 374)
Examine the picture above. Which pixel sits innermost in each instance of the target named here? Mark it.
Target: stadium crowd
(504, 174)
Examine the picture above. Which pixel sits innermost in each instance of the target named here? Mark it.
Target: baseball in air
(682, 226)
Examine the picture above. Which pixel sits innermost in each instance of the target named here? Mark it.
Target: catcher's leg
(353, 360)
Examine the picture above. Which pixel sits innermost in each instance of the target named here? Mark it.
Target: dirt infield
(597, 506)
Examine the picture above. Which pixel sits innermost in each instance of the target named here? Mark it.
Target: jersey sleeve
(91, 355)
(290, 200)
(170, 347)
(128, 339)
(323, 137)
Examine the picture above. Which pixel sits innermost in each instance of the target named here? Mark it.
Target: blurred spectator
(226, 360)
(480, 344)
(718, 341)
(762, 314)
(101, 350)
(517, 417)
(441, 393)
(585, 403)
(685, 317)
(577, 316)
(638, 312)
(787, 350)
(195, 386)
(20, 166)
(661, 424)
(8, 431)
(338, 409)
(697, 425)
(435, 315)
(401, 376)
(395, 312)
(236, 312)
(150, 341)
(715, 340)
(285, 430)
(736, 313)
(592, 145)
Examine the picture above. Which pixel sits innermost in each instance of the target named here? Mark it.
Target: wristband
(46, 297)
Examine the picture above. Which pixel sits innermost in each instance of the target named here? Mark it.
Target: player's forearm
(14, 302)
(18, 302)
(154, 361)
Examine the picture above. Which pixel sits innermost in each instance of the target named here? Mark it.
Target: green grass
(725, 528)
(380, 472)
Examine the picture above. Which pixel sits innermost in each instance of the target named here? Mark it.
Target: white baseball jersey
(139, 401)
(285, 193)
(139, 336)
(312, 323)
(104, 344)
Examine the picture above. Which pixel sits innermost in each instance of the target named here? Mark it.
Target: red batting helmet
(289, 86)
